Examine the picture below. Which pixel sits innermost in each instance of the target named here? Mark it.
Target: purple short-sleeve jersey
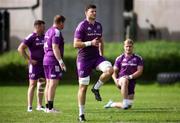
(128, 65)
(87, 32)
(52, 36)
(35, 45)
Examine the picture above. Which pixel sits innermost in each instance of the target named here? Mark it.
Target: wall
(21, 20)
(163, 14)
(109, 13)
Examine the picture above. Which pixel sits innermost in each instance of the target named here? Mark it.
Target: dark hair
(59, 18)
(38, 22)
(90, 6)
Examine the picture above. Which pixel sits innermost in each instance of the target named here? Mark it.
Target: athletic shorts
(52, 72)
(131, 86)
(36, 71)
(85, 67)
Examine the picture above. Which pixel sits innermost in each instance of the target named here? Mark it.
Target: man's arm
(138, 73)
(57, 54)
(115, 74)
(22, 51)
(101, 47)
(79, 44)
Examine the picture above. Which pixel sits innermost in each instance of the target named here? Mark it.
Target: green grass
(153, 103)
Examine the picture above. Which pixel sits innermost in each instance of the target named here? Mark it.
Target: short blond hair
(129, 41)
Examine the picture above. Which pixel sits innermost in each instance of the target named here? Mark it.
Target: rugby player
(53, 60)
(127, 68)
(88, 39)
(34, 43)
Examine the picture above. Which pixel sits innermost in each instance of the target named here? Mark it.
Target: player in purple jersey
(35, 42)
(88, 39)
(127, 68)
(53, 59)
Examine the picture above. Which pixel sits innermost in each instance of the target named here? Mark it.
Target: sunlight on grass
(153, 103)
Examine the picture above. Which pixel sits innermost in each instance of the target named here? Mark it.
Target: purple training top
(53, 35)
(128, 65)
(35, 45)
(87, 32)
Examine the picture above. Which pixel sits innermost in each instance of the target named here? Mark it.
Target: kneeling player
(127, 68)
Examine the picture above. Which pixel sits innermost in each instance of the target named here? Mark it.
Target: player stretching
(35, 42)
(127, 68)
(88, 39)
(53, 59)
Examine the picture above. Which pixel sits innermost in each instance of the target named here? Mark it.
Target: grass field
(153, 103)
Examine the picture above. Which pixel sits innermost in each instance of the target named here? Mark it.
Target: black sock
(50, 105)
(47, 105)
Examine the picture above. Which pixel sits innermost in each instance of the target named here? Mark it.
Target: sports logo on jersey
(129, 62)
(134, 59)
(32, 75)
(89, 28)
(124, 60)
(57, 69)
(37, 39)
(81, 72)
(53, 75)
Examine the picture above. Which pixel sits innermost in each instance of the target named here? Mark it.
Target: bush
(159, 56)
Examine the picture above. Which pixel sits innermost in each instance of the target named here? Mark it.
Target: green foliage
(153, 103)
(159, 56)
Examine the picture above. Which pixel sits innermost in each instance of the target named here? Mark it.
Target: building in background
(158, 19)
(137, 19)
(109, 14)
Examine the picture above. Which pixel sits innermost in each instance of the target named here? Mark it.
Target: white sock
(125, 103)
(81, 110)
(98, 84)
(130, 102)
(113, 105)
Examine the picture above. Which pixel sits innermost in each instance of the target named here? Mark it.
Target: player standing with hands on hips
(34, 43)
(127, 68)
(53, 60)
(88, 39)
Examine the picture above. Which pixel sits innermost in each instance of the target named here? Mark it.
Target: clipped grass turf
(153, 103)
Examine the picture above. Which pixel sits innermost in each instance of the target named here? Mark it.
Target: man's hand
(33, 62)
(62, 65)
(95, 42)
(129, 77)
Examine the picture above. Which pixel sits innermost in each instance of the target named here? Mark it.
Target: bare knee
(125, 83)
(32, 85)
(82, 88)
(109, 71)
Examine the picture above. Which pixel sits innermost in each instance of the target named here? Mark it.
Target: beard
(92, 18)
